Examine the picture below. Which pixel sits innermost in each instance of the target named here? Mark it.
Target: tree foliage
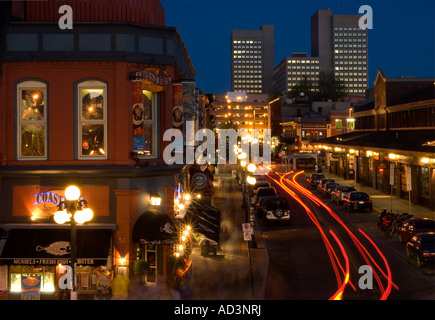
(329, 88)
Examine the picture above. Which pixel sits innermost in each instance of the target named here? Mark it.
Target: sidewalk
(237, 272)
(383, 201)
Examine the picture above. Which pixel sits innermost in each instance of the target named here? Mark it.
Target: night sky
(401, 42)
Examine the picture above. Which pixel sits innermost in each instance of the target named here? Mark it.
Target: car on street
(356, 200)
(340, 191)
(313, 180)
(266, 193)
(414, 226)
(422, 248)
(276, 210)
(322, 183)
(261, 184)
(328, 188)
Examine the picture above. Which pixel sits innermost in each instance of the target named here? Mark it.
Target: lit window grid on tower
(302, 68)
(247, 66)
(350, 58)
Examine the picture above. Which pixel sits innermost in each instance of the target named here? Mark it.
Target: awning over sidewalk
(406, 140)
(205, 219)
(52, 246)
(154, 226)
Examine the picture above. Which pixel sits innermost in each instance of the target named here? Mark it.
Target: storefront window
(424, 182)
(44, 274)
(31, 120)
(145, 125)
(151, 257)
(92, 130)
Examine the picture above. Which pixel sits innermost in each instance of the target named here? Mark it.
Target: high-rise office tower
(342, 48)
(292, 70)
(252, 60)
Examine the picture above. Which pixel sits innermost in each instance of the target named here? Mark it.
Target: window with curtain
(31, 103)
(92, 120)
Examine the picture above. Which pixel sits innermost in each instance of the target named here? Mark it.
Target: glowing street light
(252, 167)
(77, 209)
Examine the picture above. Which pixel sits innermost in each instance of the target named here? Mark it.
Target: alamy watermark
(66, 21)
(189, 151)
(366, 21)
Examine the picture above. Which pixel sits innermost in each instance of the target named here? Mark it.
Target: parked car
(322, 183)
(340, 191)
(264, 192)
(313, 180)
(414, 226)
(422, 248)
(356, 200)
(261, 184)
(276, 210)
(328, 188)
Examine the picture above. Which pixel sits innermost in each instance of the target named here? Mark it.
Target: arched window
(31, 113)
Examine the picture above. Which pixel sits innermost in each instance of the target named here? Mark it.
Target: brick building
(88, 106)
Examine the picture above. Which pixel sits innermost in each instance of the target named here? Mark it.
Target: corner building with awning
(87, 106)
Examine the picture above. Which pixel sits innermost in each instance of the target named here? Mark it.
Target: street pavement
(241, 270)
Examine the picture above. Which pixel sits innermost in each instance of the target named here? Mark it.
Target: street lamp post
(78, 209)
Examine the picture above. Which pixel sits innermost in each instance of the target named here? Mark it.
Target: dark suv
(357, 201)
(276, 210)
(264, 193)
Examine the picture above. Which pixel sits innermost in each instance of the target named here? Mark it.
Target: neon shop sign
(48, 202)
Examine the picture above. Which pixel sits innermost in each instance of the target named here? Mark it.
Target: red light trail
(369, 259)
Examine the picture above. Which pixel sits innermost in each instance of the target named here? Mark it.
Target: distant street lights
(78, 209)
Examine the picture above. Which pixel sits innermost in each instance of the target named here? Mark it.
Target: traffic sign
(408, 178)
(246, 228)
(391, 174)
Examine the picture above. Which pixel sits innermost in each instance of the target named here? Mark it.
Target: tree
(331, 87)
(305, 86)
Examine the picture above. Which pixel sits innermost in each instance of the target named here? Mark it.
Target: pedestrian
(169, 292)
(120, 287)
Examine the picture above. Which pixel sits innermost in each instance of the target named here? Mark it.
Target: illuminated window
(92, 120)
(31, 104)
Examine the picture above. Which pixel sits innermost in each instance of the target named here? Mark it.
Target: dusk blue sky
(401, 42)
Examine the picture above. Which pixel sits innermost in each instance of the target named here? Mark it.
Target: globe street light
(252, 167)
(77, 209)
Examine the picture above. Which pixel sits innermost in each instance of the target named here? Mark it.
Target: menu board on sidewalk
(30, 287)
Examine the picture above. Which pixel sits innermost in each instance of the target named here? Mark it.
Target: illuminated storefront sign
(48, 201)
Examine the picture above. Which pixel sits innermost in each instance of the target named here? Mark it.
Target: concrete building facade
(252, 60)
(342, 48)
(292, 70)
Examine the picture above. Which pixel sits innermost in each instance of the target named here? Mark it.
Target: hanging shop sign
(149, 76)
(199, 180)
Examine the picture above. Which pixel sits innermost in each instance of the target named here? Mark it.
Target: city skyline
(401, 41)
